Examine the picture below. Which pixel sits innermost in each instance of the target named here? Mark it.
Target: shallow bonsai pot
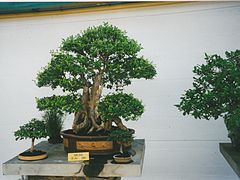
(32, 156)
(119, 158)
(95, 145)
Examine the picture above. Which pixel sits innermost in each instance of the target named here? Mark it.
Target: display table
(231, 155)
(57, 167)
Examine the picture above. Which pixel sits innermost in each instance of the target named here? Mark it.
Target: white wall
(174, 37)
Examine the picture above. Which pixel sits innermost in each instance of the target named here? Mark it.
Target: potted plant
(99, 58)
(216, 92)
(54, 125)
(124, 138)
(34, 129)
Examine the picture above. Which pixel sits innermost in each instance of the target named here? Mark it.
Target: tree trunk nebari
(81, 118)
(96, 92)
(86, 119)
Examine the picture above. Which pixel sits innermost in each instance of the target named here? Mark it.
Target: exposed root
(101, 126)
(76, 121)
(95, 125)
(82, 126)
(108, 125)
(90, 130)
(119, 124)
(80, 122)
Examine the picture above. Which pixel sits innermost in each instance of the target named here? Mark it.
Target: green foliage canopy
(121, 105)
(216, 88)
(60, 104)
(34, 129)
(121, 136)
(80, 58)
(103, 47)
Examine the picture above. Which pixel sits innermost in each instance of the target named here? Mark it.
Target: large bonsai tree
(216, 92)
(99, 57)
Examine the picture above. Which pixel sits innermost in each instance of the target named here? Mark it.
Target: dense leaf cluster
(216, 88)
(120, 105)
(63, 71)
(34, 129)
(103, 47)
(60, 104)
(100, 56)
(216, 93)
(121, 136)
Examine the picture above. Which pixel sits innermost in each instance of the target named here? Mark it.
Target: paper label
(80, 156)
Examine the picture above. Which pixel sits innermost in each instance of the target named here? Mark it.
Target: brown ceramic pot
(95, 145)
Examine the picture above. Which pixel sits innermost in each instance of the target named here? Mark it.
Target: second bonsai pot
(32, 156)
(121, 158)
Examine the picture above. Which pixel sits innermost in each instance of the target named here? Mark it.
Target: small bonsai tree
(122, 137)
(99, 57)
(35, 129)
(54, 125)
(216, 92)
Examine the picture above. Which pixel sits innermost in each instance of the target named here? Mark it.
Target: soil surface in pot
(34, 153)
(123, 155)
(98, 133)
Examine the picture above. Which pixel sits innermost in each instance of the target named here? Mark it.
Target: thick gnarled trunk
(81, 118)
(88, 120)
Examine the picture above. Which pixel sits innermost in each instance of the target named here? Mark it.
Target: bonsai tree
(122, 137)
(35, 129)
(216, 92)
(99, 57)
(54, 125)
